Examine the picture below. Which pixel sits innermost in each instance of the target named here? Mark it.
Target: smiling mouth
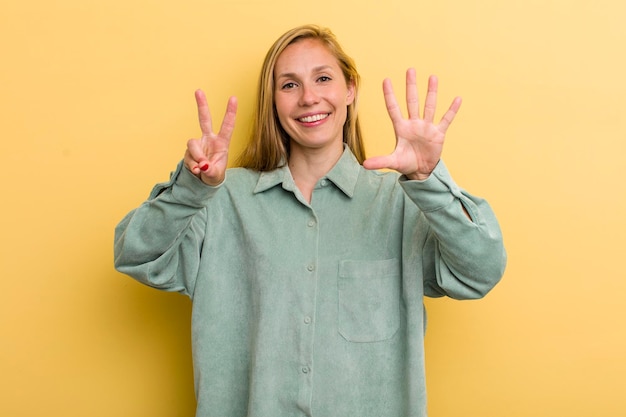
(313, 118)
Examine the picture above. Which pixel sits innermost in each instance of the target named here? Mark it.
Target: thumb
(379, 162)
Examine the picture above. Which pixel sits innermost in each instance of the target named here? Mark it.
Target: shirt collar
(344, 175)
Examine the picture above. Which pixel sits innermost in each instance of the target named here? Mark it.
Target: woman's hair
(268, 146)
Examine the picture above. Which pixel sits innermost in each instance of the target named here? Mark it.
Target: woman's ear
(351, 92)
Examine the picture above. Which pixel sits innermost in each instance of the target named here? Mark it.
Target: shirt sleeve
(159, 242)
(462, 258)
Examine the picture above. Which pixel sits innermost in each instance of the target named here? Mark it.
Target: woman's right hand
(207, 157)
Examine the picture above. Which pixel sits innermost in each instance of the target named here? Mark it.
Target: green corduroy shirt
(311, 309)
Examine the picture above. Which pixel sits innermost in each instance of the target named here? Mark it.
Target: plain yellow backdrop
(96, 104)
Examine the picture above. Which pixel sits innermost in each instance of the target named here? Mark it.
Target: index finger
(204, 116)
(390, 101)
(228, 123)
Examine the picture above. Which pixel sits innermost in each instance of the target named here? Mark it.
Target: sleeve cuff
(185, 188)
(433, 193)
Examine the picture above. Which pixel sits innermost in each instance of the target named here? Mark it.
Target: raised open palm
(419, 141)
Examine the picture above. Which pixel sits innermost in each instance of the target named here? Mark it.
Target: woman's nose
(308, 96)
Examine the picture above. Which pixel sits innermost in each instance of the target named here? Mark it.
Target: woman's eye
(288, 86)
(324, 78)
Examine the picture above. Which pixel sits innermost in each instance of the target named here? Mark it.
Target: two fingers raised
(207, 157)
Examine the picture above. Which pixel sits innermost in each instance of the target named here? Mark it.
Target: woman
(306, 269)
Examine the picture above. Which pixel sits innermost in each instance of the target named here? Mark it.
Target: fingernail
(204, 167)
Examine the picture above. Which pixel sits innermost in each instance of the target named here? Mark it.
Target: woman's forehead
(304, 56)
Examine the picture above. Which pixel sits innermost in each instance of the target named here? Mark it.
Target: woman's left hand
(419, 141)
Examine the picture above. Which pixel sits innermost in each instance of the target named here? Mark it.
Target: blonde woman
(307, 267)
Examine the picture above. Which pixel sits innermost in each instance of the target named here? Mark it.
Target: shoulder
(237, 189)
(241, 179)
(239, 175)
(380, 186)
(379, 178)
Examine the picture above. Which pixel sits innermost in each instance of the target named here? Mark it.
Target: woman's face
(311, 95)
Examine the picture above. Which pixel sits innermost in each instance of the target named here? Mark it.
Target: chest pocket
(369, 300)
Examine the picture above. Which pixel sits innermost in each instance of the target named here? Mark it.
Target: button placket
(307, 312)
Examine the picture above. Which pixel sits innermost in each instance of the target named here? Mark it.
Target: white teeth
(314, 118)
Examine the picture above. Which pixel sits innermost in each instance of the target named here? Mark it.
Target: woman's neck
(308, 166)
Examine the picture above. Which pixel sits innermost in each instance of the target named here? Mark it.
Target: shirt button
(311, 223)
(310, 268)
(307, 320)
(324, 183)
(305, 370)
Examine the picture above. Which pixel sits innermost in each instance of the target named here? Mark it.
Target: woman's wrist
(417, 176)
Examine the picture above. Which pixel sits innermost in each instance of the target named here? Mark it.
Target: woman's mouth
(313, 118)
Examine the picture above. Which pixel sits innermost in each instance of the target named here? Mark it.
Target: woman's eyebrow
(294, 75)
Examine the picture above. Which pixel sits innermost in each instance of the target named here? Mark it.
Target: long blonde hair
(268, 146)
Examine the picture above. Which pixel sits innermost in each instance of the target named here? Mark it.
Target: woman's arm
(159, 242)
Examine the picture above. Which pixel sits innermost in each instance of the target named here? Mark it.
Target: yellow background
(96, 104)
